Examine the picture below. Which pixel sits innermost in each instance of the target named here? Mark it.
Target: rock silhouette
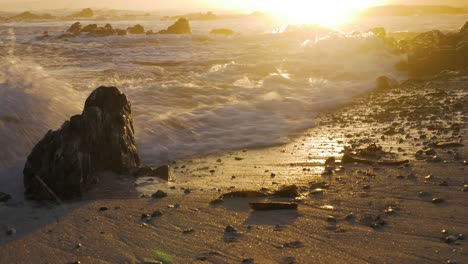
(64, 163)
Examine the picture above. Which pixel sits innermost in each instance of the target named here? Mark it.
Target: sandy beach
(348, 213)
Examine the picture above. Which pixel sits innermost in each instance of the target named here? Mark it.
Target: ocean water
(191, 95)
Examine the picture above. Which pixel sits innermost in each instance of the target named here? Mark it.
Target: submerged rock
(182, 26)
(102, 138)
(75, 29)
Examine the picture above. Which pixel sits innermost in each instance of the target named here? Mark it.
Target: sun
(329, 13)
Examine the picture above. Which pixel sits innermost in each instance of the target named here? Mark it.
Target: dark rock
(269, 206)
(102, 138)
(4, 197)
(330, 161)
(379, 32)
(159, 194)
(230, 229)
(162, 172)
(182, 26)
(384, 83)
(216, 201)
(75, 29)
(156, 213)
(448, 145)
(288, 260)
(248, 261)
(137, 29)
(10, 231)
(188, 231)
(66, 36)
(102, 209)
(150, 33)
(290, 191)
(450, 239)
(121, 32)
(222, 31)
(438, 200)
(145, 216)
(89, 28)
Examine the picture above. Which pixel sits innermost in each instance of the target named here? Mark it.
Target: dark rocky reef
(181, 26)
(92, 30)
(102, 138)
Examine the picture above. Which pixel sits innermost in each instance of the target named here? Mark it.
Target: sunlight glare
(326, 13)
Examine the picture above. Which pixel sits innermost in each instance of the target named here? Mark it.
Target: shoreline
(403, 120)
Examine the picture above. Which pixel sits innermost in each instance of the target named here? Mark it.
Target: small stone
(288, 260)
(438, 200)
(367, 187)
(11, 231)
(157, 213)
(79, 245)
(188, 231)
(450, 239)
(444, 231)
(294, 244)
(219, 160)
(444, 183)
(429, 177)
(350, 217)
(331, 219)
(238, 159)
(144, 216)
(187, 191)
(159, 194)
(248, 261)
(272, 175)
(230, 229)
(460, 237)
(389, 211)
(102, 209)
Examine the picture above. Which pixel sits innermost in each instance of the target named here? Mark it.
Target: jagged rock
(243, 194)
(182, 26)
(107, 30)
(75, 29)
(379, 32)
(222, 31)
(102, 138)
(137, 29)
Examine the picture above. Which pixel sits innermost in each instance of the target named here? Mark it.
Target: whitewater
(191, 95)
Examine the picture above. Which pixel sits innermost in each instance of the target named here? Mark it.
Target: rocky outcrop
(75, 29)
(89, 28)
(30, 16)
(384, 83)
(432, 52)
(222, 31)
(137, 29)
(85, 13)
(182, 26)
(102, 138)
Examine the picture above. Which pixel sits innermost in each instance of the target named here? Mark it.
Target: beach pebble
(230, 229)
(450, 239)
(350, 217)
(159, 194)
(187, 191)
(102, 209)
(437, 200)
(157, 213)
(144, 216)
(238, 159)
(248, 261)
(188, 231)
(331, 219)
(317, 191)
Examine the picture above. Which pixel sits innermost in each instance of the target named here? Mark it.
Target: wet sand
(367, 214)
